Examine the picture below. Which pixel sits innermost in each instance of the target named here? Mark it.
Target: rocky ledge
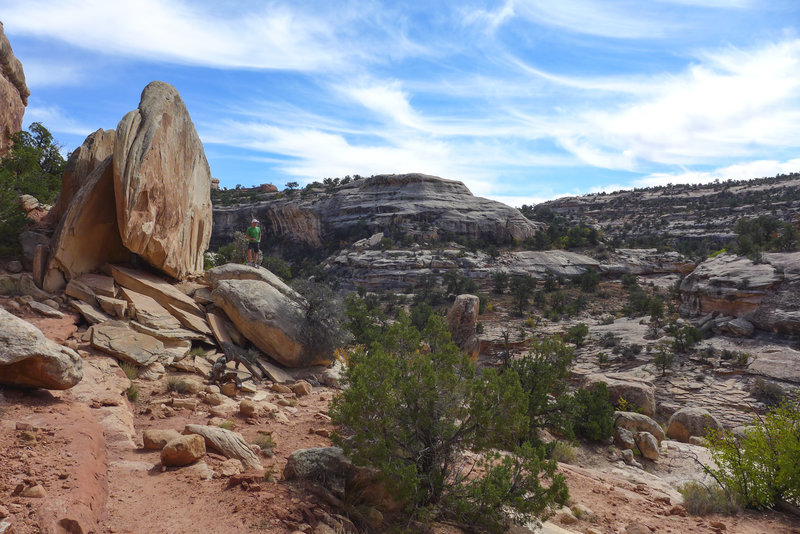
(418, 205)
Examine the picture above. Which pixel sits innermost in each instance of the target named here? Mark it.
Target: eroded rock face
(87, 236)
(162, 184)
(27, 358)
(420, 205)
(765, 294)
(94, 151)
(13, 93)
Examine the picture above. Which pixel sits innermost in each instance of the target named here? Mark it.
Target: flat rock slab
(190, 320)
(45, 310)
(149, 312)
(27, 358)
(99, 283)
(231, 444)
(154, 287)
(89, 312)
(218, 327)
(117, 339)
(275, 373)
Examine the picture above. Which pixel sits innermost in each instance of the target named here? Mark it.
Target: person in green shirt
(253, 235)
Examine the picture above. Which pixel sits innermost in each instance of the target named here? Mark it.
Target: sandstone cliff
(417, 205)
(13, 92)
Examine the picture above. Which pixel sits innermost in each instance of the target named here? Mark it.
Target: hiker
(253, 235)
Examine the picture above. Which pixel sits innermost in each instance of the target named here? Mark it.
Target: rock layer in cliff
(13, 92)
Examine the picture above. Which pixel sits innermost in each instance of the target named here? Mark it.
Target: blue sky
(523, 100)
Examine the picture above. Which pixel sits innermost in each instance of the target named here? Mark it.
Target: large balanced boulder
(13, 93)
(462, 318)
(637, 422)
(272, 317)
(27, 358)
(162, 184)
(688, 422)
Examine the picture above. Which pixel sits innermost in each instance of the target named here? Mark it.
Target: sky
(522, 100)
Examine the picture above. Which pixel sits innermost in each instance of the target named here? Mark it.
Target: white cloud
(55, 120)
(738, 171)
(732, 102)
(264, 36)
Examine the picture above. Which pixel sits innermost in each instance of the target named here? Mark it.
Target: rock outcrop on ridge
(144, 190)
(734, 287)
(162, 184)
(14, 92)
(418, 205)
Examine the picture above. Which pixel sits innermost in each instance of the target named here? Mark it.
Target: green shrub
(177, 384)
(577, 334)
(761, 469)
(227, 424)
(130, 370)
(663, 360)
(278, 267)
(34, 167)
(699, 499)
(132, 393)
(769, 393)
(411, 407)
(592, 413)
(562, 451)
(500, 280)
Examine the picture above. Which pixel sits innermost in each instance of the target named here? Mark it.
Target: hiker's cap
(254, 221)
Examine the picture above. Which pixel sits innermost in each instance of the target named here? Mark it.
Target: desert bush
(278, 267)
(663, 359)
(227, 424)
(410, 407)
(132, 393)
(324, 327)
(592, 413)
(589, 280)
(769, 393)
(760, 469)
(130, 370)
(577, 334)
(500, 281)
(177, 385)
(521, 288)
(543, 372)
(684, 337)
(561, 451)
(699, 499)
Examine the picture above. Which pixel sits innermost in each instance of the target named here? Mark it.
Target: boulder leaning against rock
(27, 358)
(688, 422)
(162, 184)
(271, 320)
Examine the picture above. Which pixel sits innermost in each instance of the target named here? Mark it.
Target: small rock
(280, 388)
(697, 440)
(637, 528)
(156, 439)
(14, 266)
(677, 510)
(185, 404)
(324, 432)
(230, 467)
(212, 389)
(214, 399)
(183, 450)
(281, 417)
(566, 517)
(3, 512)
(717, 525)
(623, 438)
(34, 492)
(583, 512)
(153, 371)
(302, 388)
(248, 408)
(229, 389)
(648, 445)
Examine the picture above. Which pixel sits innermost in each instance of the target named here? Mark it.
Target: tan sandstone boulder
(13, 92)
(635, 391)
(272, 321)
(183, 450)
(94, 151)
(27, 358)
(87, 236)
(162, 184)
(688, 422)
(637, 422)
(462, 319)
